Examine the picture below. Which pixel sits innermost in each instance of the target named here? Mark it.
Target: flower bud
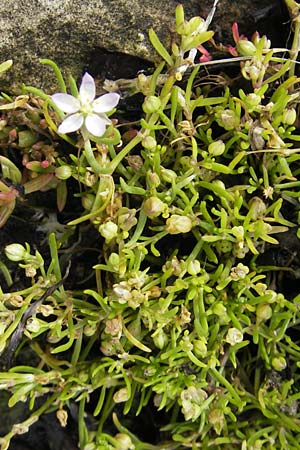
(114, 261)
(238, 232)
(168, 175)
(258, 208)
(263, 312)
(251, 72)
(16, 252)
(228, 119)
(108, 230)
(153, 207)
(160, 339)
(121, 396)
(253, 99)
(90, 329)
(278, 363)
(234, 336)
(178, 224)
(149, 142)
(153, 179)
(124, 442)
(289, 116)
(62, 417)
(151, 104)
(216, 148)
(30, 271)
(194, 267)
(200, 348)
(63, 172)
(216, 419)
(245, 48)
(33, 324)
(219, 309)
(87, 201)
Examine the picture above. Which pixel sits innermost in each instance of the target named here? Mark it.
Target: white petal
(87, 90)
(106, 102)
(105, 119)
(71, 123)
(95, 125)
(67, 103)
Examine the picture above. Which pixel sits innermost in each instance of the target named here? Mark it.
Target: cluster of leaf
(180, 316)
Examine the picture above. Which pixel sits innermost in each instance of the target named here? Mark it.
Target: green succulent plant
(184, 314)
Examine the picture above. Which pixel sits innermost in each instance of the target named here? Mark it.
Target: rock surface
(76, 33)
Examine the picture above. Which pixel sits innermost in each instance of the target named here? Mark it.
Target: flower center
(86, 106)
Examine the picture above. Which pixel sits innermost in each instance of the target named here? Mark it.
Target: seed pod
(289, 116)
(216, 148)
(108, 230)
(63, 172)
(151, 104)
(234, 336)
(15, 252)
(153, 207)
(178, 224)
(245, 48)
(278, 363)
(263, 312)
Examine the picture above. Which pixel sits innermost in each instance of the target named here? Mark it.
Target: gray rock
(74, 33)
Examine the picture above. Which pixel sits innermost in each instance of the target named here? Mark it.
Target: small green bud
(63, 172)
(160, 339)
(16, 252)
(194, 267)
(87, 201)
(124, 442)
(289, 116)
(238, 232)
(216, 419)
(253, 99)
(149, 142)
(153, 207)
(228, 119)
(151, 104)
(153, 179)
(263, 312)
(216, 148)
(90, 329)
(108, 230)
(33, 324)
(121, 396)
(219, 309)
(219, 183)
(114, 261)
(258, 208)
(200, 348)
(245, 48)
(278, 363)
(253, 72)
(234, 336)
(178, 224)
(168, 175)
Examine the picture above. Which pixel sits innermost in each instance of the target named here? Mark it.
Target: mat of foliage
(160, 292)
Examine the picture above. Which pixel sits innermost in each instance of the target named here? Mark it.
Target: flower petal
(95, 125)
(106, 102)
(87, 90)
(71, 123)
(67, 103)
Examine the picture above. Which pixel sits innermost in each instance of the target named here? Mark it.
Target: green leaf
(5, 65)
(161, 50)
